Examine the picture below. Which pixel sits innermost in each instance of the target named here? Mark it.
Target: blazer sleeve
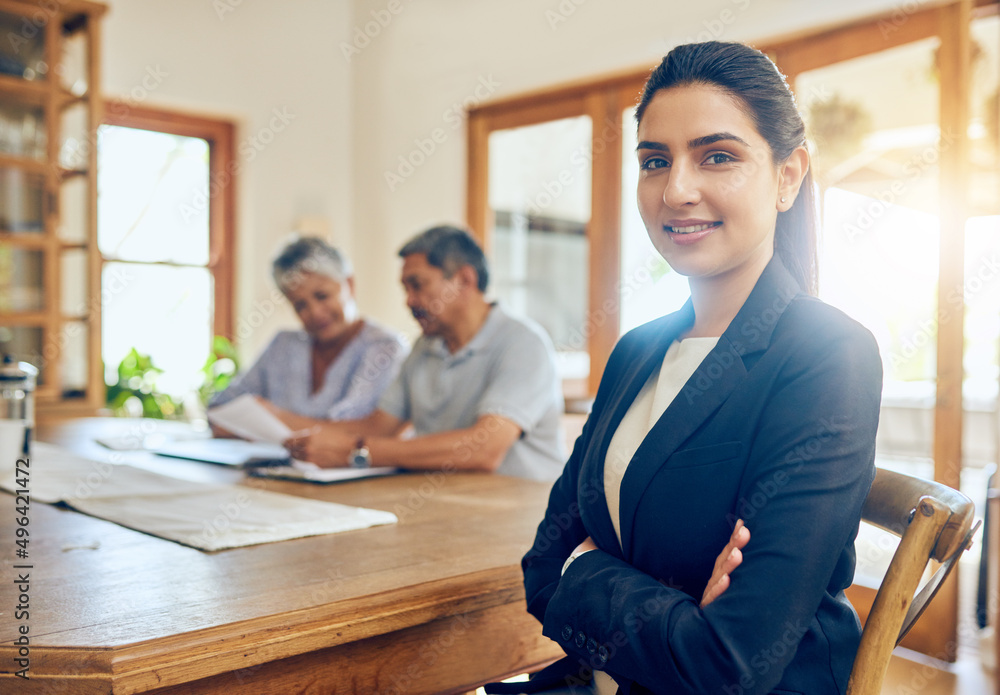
(562, 528)
(811, 461)
(560, 531)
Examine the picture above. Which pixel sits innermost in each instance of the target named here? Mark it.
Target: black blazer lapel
(696, 402)
(723, 370)
(627, 379)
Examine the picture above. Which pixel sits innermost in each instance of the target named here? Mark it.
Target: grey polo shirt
(507, 369)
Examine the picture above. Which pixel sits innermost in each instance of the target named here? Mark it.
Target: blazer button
(580, 641)
(602, 655)
(591, 646)
(567, 633)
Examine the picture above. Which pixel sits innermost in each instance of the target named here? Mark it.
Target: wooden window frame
(223, 170)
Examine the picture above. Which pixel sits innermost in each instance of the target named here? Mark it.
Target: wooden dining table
(431, 604)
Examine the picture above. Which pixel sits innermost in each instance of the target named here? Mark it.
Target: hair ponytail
(795, 237)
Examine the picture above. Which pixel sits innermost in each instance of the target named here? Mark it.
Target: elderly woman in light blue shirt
(338, 364)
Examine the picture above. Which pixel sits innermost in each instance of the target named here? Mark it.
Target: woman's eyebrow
(716, 137)
(650, 145)
(692, 144)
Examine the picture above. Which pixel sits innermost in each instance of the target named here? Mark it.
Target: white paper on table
(185, 511)
(246, 418)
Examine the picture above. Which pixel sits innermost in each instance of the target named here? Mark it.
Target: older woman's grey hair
(309, 255)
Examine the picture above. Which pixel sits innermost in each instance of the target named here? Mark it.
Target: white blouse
(680, 362)
(682, 359)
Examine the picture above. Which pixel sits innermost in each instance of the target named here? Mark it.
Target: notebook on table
(310, 473)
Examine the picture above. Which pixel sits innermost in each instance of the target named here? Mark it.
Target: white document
(182, 510)
(246, 418)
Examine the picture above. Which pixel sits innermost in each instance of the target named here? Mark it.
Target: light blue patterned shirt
(353, 382)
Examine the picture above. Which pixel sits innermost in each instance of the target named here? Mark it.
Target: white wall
(356, 115)
(246, 65)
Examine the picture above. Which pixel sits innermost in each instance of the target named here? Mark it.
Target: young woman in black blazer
(755, 404)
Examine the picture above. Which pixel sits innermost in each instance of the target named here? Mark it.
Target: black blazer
(777, 427)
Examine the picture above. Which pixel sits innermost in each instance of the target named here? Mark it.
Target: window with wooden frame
(902, 111)
(166, 197)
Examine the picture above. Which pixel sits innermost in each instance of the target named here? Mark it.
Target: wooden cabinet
(50, 269)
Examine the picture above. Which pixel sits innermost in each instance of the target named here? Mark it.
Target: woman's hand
(728, 560)
(327, 447)
(586, 545)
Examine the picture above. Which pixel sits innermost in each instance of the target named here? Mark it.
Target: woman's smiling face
(708, 186)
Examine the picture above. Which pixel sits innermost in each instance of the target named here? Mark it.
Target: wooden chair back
(934, 522)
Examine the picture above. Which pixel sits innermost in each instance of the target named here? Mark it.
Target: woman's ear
(790, 176)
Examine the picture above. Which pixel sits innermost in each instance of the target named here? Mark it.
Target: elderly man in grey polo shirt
(479, 388)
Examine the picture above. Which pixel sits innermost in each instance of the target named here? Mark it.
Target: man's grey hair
(309, 255)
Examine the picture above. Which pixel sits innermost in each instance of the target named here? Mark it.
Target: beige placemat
(203, 516)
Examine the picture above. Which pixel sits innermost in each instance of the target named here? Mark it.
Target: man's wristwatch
(360, 457)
